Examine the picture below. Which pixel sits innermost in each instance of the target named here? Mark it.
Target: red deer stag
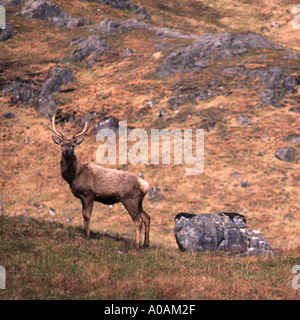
(90, 182)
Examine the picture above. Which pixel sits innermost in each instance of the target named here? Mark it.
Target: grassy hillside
(45, 260)
(121, 88)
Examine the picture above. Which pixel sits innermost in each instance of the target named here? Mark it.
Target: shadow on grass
(127, 242)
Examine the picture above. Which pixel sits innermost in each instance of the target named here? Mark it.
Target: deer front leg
(87, 207)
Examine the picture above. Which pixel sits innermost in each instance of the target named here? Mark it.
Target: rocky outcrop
(286, 154)
(8, 3)
(21, 91)
(92, 45)
(274, 82)
(58, 77)
(222, 231)
(48, 11)
(211, 47)
(109, 123)
(28, 94)
(109, 27)
(7, 33)
(127, 5)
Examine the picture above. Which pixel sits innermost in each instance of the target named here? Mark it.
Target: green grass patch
(46, 260)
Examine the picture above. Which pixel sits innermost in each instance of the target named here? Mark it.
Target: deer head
(67, 145)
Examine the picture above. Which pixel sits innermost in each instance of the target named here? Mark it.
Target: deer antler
(59, 134)
(77, 135)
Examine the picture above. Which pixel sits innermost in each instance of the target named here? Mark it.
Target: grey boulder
(222, 231)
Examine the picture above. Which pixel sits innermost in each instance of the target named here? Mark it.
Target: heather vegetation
(229, 67)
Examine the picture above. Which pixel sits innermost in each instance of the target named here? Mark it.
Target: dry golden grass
(30, 172)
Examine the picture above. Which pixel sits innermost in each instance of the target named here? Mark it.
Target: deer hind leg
(136, 215)
(146, 220)
(87, 208)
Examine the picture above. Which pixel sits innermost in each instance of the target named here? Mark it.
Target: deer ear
(78, 141)
(56, 140)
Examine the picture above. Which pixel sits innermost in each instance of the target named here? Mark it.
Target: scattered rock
(274, 79)
(127, 52)
(143, 14)
(236, 71)
(202, 95)
(39, 206)
(275, 24)
(269, 97)
(36, 204)
(65, 74)
(295, 109)
(180, 95)
(121, 252)
(153, 192)
(244, 184)
(127, 5)
(7, 33)
(242, 120)
(50, 86)
(215, 82)
(292, 138)
(273, 82)
(87, 117)
(264, 29)
(109, 27)
(65, 116)
(295, 56)
(11, 2)
(58, 77)
(178, 100)
(119, 4)
(8, 115)
(93, 44)
(47, 106)
(237, 175)
(222, 231)
(211, 47)
(208, 125)
(150, 104)
(48, 11)
(51, 212)
(109, 123)
(288, 217)
(22, 91)
(286, 154)
(162, 112)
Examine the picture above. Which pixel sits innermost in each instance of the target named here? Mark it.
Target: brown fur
(90, 182)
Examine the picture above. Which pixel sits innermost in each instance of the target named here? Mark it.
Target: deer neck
(68, 168)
